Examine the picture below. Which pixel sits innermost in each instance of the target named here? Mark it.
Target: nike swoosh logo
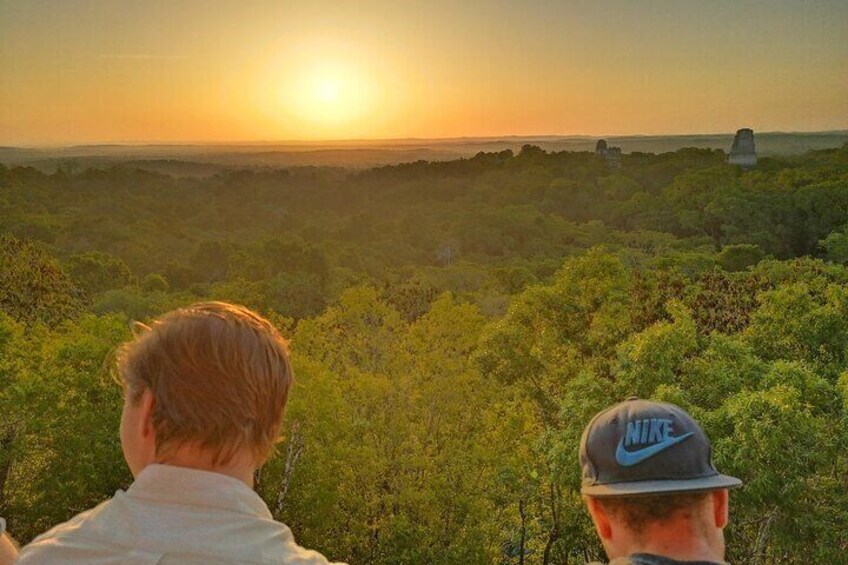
(629, 458)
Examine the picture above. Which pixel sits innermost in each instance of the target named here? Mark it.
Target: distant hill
(207, 159)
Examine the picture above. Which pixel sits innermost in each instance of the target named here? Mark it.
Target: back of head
(650, 483)
(643, 514)
(219, 376)
(205, 389)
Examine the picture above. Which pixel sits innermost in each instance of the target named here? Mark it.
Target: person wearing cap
(651, 488)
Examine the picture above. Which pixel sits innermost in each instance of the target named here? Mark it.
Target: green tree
(96, 272)
(835, 246)
(701, 197)
(739, 257)
(64, 409)
(33, 286)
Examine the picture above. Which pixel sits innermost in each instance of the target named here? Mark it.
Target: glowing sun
(331, 94)
(328, 91)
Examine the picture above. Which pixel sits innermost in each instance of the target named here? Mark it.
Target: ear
(720, 500)
(600, 518)
(146, 406)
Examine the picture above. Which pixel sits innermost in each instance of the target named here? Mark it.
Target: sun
(328, 91)
(330, 94)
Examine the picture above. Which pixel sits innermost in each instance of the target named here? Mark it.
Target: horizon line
(364, 140)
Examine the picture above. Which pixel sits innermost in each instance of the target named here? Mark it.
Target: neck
(242, 466)
(681, 549)
(678, 553)
(675, 541)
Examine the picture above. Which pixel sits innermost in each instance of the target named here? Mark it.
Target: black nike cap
(640, 447)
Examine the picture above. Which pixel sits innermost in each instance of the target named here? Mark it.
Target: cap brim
(645, 488)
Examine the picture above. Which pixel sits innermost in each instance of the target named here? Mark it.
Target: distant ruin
(612, 155)
(743, 152)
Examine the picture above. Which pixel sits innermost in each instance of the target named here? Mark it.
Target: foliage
(767, 395)
(33, 286)
(739, 257)
(454, 326)
(96, 272)
(835, 246)
(60, 413)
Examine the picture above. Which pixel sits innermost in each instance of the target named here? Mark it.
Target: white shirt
(174, 515)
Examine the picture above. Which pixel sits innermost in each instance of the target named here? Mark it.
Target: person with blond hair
(205, 388)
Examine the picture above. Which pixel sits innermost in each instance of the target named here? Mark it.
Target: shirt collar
(181, 485)
(651, 559)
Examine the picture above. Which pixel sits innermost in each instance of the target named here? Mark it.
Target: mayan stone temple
(611, 154)
(743, 152)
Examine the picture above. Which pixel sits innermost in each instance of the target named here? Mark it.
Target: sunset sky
(101, 71)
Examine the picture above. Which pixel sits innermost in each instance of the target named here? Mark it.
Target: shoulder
(69, 527)
(303, 556)
(53, 539)
(293, 553)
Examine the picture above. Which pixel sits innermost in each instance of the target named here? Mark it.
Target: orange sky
(100, 71)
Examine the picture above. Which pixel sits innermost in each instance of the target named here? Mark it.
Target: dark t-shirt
(651, 559)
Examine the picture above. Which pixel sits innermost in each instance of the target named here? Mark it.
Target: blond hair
(219, 374)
